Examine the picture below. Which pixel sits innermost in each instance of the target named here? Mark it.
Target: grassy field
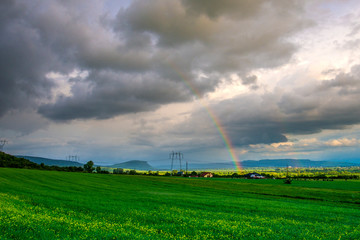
(62, 205)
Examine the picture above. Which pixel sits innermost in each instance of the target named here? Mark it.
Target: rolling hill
(134, 164)
(7, 160)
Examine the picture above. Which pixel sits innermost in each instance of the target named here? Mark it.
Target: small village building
(254, 175)
(206, 174)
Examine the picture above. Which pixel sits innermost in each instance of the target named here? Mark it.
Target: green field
(63, 205)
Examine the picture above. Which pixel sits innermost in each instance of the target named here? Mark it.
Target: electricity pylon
(2, 144)
(175, 156)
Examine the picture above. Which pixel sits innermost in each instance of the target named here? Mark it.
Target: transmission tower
(73, 158)
(2, 144)
(175, 156)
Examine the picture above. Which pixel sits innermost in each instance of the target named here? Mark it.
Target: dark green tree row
(10, 161)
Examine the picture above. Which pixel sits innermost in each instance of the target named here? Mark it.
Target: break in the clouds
(131, 57)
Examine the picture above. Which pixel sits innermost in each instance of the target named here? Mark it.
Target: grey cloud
(167, 19)
(22, 58)
(150, 46)
(111, 94)
(353, 41)
(250, 81)
(343, 83)
(268, 118)
(23, 122)
(240, 9)
(214, 9)
(331, 71)
(148, 31)
(221, 44)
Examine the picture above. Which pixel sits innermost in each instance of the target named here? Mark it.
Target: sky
(219, 81)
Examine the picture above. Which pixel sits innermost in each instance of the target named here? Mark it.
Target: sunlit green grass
(49, 205)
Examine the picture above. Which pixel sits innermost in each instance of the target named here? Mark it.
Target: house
(206, 174)
(254, 175)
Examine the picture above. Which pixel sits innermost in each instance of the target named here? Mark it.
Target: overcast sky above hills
(111, 81)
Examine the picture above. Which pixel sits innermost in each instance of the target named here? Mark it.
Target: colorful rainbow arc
(222, 132)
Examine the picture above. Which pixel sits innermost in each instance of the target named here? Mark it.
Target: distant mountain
(52, 162)
(265, 163)
(134, 164)
(294, 163)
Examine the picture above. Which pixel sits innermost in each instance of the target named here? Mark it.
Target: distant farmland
(63, 205)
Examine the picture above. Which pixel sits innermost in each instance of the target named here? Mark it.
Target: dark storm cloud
(214, 9)
(22, 58)
(255, 119)
(137, 60)
(222, 44)
(111, 93)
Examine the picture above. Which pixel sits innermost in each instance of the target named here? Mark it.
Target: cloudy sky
(111, 82)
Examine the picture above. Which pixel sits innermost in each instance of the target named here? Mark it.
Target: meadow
(38, 204)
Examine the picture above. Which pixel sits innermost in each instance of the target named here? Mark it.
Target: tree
(118, 171)
(98, 169)
(89, 167)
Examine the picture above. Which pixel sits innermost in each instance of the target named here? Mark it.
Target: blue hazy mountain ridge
(144, 165)
(295, 163)
(52, 162)
(267, 163)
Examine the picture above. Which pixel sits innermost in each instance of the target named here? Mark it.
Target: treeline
(327, 174)
(10, 161)
(315, 175)
(134, 172)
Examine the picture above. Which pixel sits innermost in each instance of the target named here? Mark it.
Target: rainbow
(221, 130)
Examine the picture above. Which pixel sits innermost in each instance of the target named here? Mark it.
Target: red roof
(205, 173)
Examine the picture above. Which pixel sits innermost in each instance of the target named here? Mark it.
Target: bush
(287, 181)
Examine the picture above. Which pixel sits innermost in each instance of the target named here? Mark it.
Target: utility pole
(2, 144)
(287, 171)
(171, 156)
(186, 167)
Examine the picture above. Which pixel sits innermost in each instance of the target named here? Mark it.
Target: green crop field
(63, 205)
